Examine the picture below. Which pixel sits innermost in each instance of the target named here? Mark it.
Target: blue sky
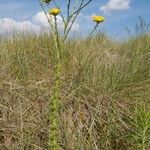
(118, 13)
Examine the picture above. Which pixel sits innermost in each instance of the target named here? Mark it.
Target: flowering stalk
(68, 23)
(98, 20)
(55, 100)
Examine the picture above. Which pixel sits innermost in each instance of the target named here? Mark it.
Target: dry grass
(105, 98)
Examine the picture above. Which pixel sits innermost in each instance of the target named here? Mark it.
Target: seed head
(47, 1)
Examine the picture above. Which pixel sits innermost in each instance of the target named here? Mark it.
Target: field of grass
(105, 96)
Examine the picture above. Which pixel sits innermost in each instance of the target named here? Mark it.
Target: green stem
(66, 31)
(54, 116)
(68, 8)
(93, 29)
(57, 43)
(55, 100)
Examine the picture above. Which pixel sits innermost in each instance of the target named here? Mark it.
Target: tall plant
(73, 9)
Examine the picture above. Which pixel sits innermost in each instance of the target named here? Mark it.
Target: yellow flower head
(54, 11)
(98, 19)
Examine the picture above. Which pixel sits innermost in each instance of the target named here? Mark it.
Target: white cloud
(41, 19)
(37, 25)
(9, 26)
(116, 5)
